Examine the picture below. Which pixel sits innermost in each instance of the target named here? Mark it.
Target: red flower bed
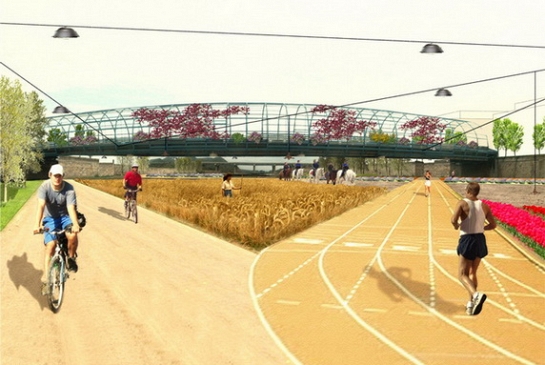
(535, 209)
(523, 222)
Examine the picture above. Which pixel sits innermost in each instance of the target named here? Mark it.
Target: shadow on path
(112, 213)
(24, 274)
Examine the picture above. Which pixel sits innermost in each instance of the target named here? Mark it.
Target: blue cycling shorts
(54, 224)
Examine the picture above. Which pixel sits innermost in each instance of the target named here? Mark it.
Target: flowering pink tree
(338, 124)
(196, 120)
(425, 130)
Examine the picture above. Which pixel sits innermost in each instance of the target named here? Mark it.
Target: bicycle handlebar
(41, 230)
(45, 229)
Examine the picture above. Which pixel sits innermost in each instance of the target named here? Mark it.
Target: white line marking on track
(501, 256)
(448, 252)
(405, 248)
(308, 241)
(374, 310)
(357, 244)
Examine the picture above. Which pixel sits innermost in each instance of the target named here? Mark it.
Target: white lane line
(345, 302)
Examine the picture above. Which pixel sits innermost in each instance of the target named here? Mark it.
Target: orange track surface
(378, 285)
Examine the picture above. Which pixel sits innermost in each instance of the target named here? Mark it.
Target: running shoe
(469, 308)
(72, 264)
(478, 301)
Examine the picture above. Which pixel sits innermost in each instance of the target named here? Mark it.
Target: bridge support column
(418, 168)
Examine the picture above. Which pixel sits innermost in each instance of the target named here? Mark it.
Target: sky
(109, 68)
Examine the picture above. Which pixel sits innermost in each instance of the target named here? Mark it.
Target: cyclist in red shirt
(132, 181)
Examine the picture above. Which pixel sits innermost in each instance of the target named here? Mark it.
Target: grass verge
(17, 198)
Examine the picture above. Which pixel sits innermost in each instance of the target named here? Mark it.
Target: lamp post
(535, 123)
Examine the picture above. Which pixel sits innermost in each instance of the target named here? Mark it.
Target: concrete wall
(75, 167)
(520, 167)
(509, 167)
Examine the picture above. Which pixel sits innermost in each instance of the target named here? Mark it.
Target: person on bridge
(132, 181)
(470, 216)
(427, 183)
(227, 186)
(56, 211)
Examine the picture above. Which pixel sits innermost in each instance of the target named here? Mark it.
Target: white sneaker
(478, 301)
(469, 308)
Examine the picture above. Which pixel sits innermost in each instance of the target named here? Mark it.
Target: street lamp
(443, 92)
(59, 109)
(431, 48)
(65, 32)
(535, 122)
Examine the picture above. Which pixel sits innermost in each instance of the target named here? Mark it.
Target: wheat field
(264, 211)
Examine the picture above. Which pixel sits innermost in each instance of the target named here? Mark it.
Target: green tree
(452, 137)
(143, 163)
(185, 164)
(499, 133)
(57, 137)
(539, 136)
(22, 128)
(514, 137)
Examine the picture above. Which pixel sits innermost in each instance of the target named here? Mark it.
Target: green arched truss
(115, 130)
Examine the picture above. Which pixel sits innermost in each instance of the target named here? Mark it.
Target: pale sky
(105, 69)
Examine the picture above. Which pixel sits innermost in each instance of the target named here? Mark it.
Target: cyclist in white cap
(56, 210)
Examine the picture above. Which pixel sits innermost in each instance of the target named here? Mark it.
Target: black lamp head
(443, 92)
(59, 109)
(65, 32)
(431, 48)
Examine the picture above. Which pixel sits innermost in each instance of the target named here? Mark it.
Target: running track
(378, 285)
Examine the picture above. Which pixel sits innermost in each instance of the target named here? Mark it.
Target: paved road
(378, 285)
(156, 292)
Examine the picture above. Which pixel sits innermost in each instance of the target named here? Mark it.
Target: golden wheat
(261, 213)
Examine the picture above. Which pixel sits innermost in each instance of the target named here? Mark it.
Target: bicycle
(57, 271)
(131, 208)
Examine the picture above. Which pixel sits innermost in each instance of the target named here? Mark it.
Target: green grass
(16, 199)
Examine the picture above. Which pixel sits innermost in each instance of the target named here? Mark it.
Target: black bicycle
(57, 271)
(131, 208)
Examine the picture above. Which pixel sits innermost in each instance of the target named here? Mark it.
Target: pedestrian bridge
(264, 129)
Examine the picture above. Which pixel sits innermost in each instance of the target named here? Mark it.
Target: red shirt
(133, 179)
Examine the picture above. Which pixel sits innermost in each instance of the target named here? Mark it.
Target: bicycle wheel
(56, 283)
(127, 209)
(134, 211)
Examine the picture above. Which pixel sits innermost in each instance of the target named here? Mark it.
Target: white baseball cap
(56, 169)
(134, 165)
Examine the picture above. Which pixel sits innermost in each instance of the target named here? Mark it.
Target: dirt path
(157, 292)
